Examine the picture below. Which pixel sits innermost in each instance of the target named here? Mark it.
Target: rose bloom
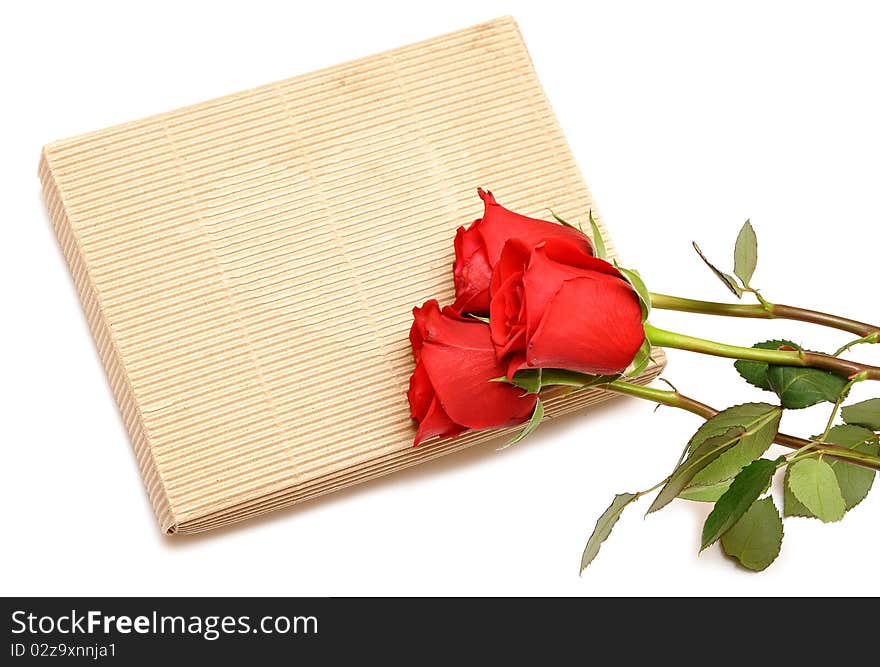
(478, 249)
(451, 390)
(555, 306)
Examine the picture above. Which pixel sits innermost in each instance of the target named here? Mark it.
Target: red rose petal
(436, 423)
(448, 326)
(515, 362)
(461, 378)
(420, 393)
(499, 224)
(552, 264)
(592, 325)
(470, 270)
(505, 310)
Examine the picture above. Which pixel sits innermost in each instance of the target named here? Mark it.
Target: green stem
(663, 338)
(766, 311)
(797, 453)
(840, 398)
(872, 338)
(676, 400)
(798, 456)
(831, 418)
(653, 488)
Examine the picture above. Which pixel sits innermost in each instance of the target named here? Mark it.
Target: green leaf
(727, 279)
(802, 387)
(744, 490)
(598, 242)
(707, 451)
(706, 493)
(851, 437)
(564, 222)
(814, 484)
(854, 481)
(604, 526)
(635, 279)
(796, 387)
(760, 421)
(755, 372)
(791, 506)
(755, 540)
(866, 413)
(533, 424)
(641, 360)
(745, 254)
(484, 320)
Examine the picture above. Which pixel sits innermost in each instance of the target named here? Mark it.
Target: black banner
(263, 630)
(125, 630)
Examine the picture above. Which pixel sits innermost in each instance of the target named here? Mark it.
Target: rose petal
(472, 276)
(550, 265)
(420, 393)
(593, 324)
(515, 362)
(436, 423)
(505, 327)
(513, 261)
(461, 378)
(499, 224)
(448, 326)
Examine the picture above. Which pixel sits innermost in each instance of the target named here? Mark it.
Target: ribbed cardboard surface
(248, 265)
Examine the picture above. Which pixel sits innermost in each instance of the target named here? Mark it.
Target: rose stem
(767, 311)
(663, 338)
(677, 400)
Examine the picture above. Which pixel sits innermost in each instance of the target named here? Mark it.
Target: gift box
(248, 265)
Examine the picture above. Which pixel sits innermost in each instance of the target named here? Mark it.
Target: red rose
(478, 249)
(450, 390)
(553, 306)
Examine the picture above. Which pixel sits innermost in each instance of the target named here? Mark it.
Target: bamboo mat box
(248, 265)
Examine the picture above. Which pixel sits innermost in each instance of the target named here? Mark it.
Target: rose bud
(478, 249)
(451, 390)
(553, 306)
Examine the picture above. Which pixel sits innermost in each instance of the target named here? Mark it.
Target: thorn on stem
(674, 388)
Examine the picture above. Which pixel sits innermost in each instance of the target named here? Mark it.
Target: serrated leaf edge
(819, 461)
(706, 544)
(727, 441)
(847, 409)
(610, 520)
(778, 548)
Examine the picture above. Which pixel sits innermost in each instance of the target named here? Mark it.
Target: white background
(685, 119)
